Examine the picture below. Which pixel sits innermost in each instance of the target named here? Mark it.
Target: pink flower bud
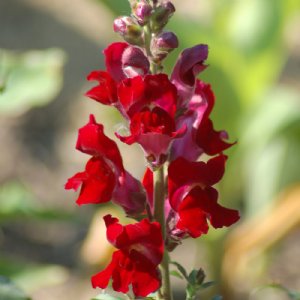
(161, 16)
(142, 11)
(163, 44)
(169, 6)
(166, 41)
(129, 30)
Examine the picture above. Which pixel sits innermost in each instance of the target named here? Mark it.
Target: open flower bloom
(104, 177)
(122, 61)
(200, 137)
(154, 130)
(193, 199)
(136, 262)
(152, 90)
(150, 105)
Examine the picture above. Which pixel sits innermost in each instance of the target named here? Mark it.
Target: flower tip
(109, 220)
(92, 119)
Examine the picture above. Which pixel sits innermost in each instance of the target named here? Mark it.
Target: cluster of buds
(148, 18)
(170, 119)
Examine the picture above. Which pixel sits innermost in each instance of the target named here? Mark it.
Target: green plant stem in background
(159, 208)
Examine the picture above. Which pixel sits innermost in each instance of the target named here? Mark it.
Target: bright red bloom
(184, 174)
(122, 61)
(138, 92)
(136, 262)
(154, 130)
(105, 177)
(189, 64)
(199, 206)
(193, 199)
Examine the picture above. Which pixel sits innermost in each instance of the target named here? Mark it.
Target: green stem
(147, 39)
(159, 214)
(154, 68)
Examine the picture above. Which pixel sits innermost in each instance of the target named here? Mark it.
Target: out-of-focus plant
(9, 291)
(293, 295)
(29, 79)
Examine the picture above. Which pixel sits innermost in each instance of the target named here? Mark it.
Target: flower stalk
(159, 215)
(169, 117)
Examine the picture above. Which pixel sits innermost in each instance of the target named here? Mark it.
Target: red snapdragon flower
(152, 90)
(150, 105)
(105, 177)
(154, 130)
(122, 61)
(193, 198)
(136, 262)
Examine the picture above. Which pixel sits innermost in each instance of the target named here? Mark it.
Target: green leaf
(208, 284)
(9, 291)
(32, 276)
(16, 201)
(192, 278)
(29, 79)
(176, 274)
(180, 268)
(269, 146)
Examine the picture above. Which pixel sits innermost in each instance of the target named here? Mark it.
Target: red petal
(193, 219)
(75, 181)
(200, 205)
(113, 55)
(97, 182)
(145, 281)
(211, 141)
(106, 91)
(102, 278)
(183, 174)
(93, 141)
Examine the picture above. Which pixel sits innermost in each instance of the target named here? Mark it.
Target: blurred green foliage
(9, 291)
(29, 79)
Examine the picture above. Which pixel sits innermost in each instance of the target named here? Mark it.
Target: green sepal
(176, 274)
(180, 268)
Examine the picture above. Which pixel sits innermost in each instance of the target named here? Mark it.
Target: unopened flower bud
(161, 16)
(167, 41)
(134, 62)
(129, 30)
(163, 44)
(200, 276)
(142, 11)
